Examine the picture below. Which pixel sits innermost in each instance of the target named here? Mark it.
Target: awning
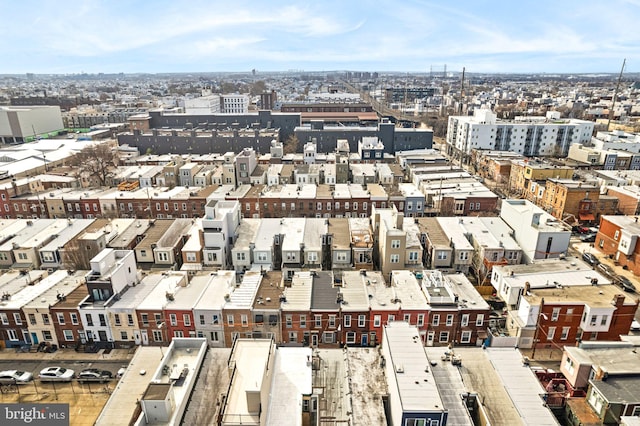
(482, 334)
(588, 217)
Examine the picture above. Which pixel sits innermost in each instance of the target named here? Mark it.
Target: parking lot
(85, 399)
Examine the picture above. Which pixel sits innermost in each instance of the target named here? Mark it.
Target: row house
(16, 188)
(79, 250)
(237, 307)
(361, 243)
(178, 310)
(42, 321)
(295, 311)
(207, 312)
(438, 246)
(18, 289)
(325, 316)
(398, 241)
(339, 255)
(50, 254)
(67, 324)
(266, 307)
(162, 243)
(563, 315)
(150, 314)
(305, 200)
(220, 230)
(22, 232)
(456, 193)
(191, 252)
(570, 200)
(188, 173)
(618, 238)
(399, 299)
(112, 272)
(628, 198)
(459, 315)
(539, 235)
(525, 172)
(122, 315)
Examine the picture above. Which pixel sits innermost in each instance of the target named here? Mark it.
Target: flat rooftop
(251, 358)
(291, 379)
(124, 400)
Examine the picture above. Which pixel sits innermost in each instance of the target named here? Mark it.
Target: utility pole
(615, 94)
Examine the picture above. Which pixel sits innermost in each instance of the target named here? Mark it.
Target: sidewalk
(123, 355)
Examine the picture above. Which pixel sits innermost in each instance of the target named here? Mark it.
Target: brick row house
(618, 239)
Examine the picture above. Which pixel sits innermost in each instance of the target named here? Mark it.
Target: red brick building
(618, 238)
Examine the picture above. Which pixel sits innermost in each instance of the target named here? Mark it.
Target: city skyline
(111, 37)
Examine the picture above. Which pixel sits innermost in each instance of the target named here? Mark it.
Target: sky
(499, 36)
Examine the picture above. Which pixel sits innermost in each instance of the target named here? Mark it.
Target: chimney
(618, 300)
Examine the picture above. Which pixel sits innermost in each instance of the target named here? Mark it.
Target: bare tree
(99, 161)
(75, 256)
(290, 146)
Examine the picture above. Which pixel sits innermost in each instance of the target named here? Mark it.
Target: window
(327, 337)
(444, 336)
(318, 320)
(413, 256)
(436, 320)
(123, 335)
(12, 335)
(442, 255)
(89, 320)
(262, 257)
(465, 337)
(244, 319)
(555, 314)
(594, 320)
(173, 319)
(215, 319)
(116, 319)
(214, 336)
(479, 320)
(603, 320)
(32, 319)
(312, 257)
(361, 320)
(178, 333)
(616, 235)
(143, 317)
(464, 255)
(391, 318)
(420, 320)
(565, 333)
(376, 320)
(351, 337)
(289, 321)
(202, 321)
(465, 320)
(449, 320)
(550, 333)
(332, 321)
(417, 422)
(46, 335)
(347, 321)
(293, 336)
(230, 320)
(394, 258)
(303, 321)
(129, 319)
(355, 205)
(341, 256)
(186, 318)
(68, 335)
(60, 317)
(163, 256)
(395, 244)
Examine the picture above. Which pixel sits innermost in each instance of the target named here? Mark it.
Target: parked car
(626, 284)
(56, 374)
(15, 376)
(580, 229)
(605, 269)
(93, 374)
(635, 325)
(591, 259)
(588, 238)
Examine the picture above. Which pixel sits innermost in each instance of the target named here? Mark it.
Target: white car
(15, 376)
(57, 374)
(635, 325)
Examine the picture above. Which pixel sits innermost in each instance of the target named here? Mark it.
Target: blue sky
(396, 35)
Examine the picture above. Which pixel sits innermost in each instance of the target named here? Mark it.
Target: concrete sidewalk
(123, 355)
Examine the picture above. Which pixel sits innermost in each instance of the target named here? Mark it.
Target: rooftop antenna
(615, 94)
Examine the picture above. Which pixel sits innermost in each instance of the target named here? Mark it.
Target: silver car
(15, 376)
(56, 374)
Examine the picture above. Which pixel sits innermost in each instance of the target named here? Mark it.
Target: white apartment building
(529, 136)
